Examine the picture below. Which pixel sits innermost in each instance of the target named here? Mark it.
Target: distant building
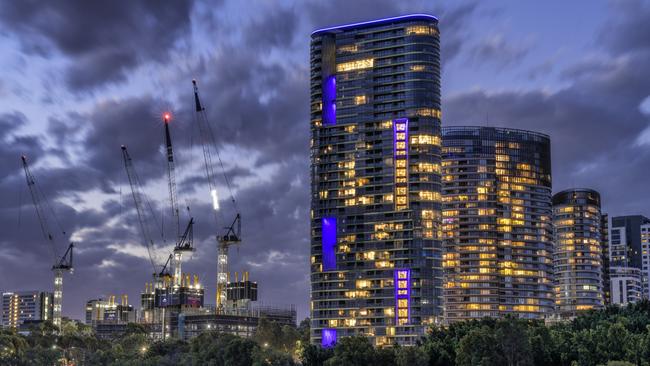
(625, 285)
(496, 223)
(26, 307)
(577, 259)
(629, 246)
(193, 322)
(100, 310)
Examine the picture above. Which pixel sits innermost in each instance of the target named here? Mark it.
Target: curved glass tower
(496, 225)
(578, 254)
(375, 180)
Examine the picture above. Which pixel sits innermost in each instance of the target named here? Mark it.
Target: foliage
(273, 335)
(610, 337)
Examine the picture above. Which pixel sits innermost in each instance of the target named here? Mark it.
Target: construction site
(172, 302)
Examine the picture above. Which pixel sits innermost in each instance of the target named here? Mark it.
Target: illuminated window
(348, 48)
(360, 99)
(420, 29)
(429, 112)
(361, 284)
(429, 196)
(355, 65)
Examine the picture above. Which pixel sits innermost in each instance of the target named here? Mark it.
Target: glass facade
(577, 260)
(375, 180)
(629, 246)
(497, 223)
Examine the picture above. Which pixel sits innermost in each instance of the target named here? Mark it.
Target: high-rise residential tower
(577, 259)
(375, 180)
(629, 246)
(496, 225)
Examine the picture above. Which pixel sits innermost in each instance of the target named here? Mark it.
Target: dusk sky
(80, 78)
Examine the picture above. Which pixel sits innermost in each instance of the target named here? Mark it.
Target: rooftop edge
(376, 22)
(448, 129)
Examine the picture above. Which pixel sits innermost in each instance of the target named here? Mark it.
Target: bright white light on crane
(215, 199)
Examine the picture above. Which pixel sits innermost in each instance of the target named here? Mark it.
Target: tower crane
(232, 233)
(184, 242)
(61, 264)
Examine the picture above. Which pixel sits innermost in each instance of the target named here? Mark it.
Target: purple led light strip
(329, 243)
(377, 21)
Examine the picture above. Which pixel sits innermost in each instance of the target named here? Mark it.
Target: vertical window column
(402, 296)
(400, 146)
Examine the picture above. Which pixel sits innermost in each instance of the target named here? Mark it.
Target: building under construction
(173, 304)
(163, 301)
(109, 318)
(180, 312)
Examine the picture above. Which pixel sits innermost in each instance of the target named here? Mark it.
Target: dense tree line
(613, 337)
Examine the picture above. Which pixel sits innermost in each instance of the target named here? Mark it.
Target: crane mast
(177, 255)
(62, 264)
(182, 244)
(171, 175)
(233, 232)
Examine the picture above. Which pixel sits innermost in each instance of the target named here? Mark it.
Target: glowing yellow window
(355, 65)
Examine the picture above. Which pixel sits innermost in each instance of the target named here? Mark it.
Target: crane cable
(208, 159)
(37, 197)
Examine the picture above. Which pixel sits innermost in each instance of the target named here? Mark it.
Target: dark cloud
(13, 144)
(275, 27)
(133, 122)
(257, 105)
(453, 29)
(337, 12)
(499, 50)
(103, 40)
(594, 122)
(628, 28)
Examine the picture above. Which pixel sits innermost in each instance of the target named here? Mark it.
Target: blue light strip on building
(402, 296)
(328, 337)
(329, 101)
(329, 243)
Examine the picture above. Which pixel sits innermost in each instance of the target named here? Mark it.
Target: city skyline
(586, 94)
